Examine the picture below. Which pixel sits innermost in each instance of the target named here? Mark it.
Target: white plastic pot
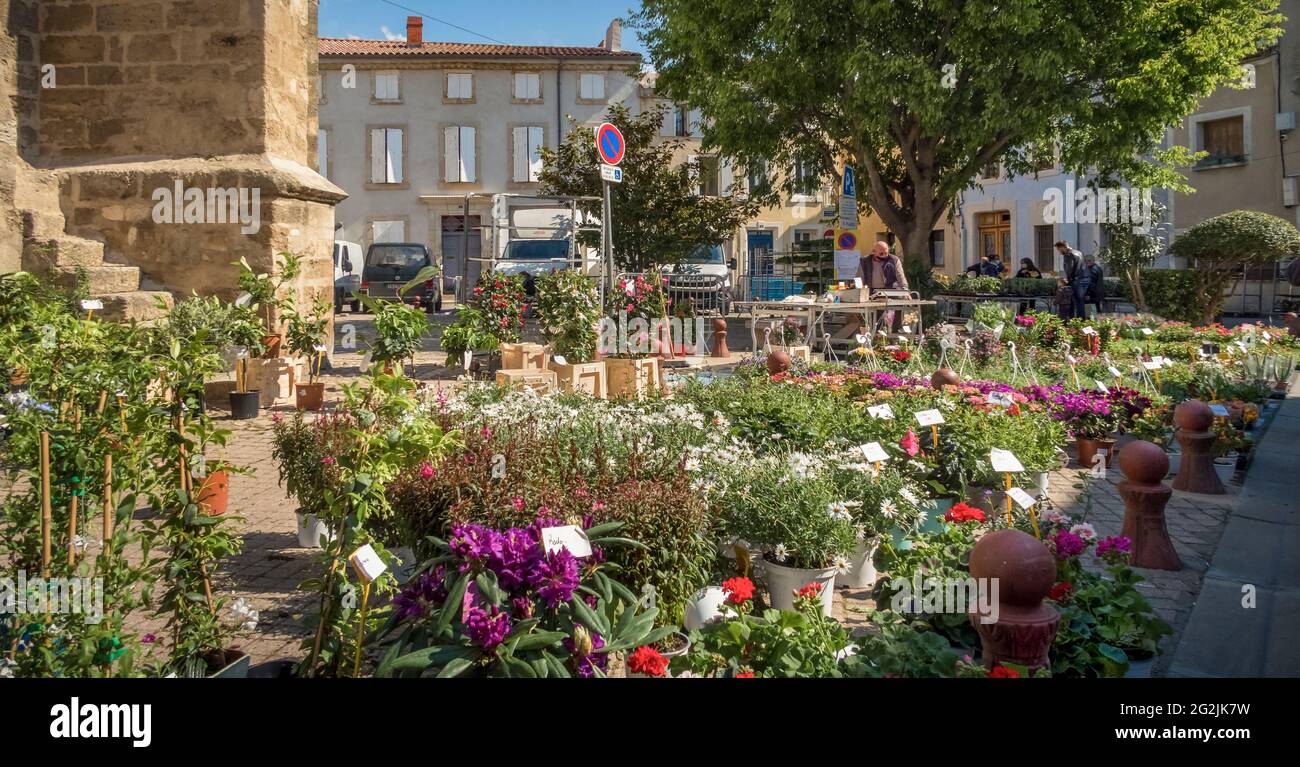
(703, 607)
(863, 575)
(310, 530)
(1042, 480)
(783, 582)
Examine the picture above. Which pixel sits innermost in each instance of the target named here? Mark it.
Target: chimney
(414, 30)
(614, 36)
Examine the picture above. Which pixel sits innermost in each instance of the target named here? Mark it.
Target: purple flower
(486, 628)
(420, 594)
(587, 662)
(1067, 544)
(555, 578)
(1117, 544)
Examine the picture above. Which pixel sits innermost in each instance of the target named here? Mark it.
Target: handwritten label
(929, 417)
(92, 304)
(1115, 371)
(874, 452)
(569, 537)
(884, 412)
(1072, 359)
(367, 563)
(999, 398)
(1004, 461)
(1220, 411)
(1023, 500)
(1089, 331)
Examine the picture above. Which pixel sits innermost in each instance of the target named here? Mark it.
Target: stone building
(112, 109)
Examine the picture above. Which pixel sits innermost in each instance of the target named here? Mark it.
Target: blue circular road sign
(609, 144)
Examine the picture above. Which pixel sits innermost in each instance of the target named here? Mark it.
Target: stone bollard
(1292, 323)
(1024, 570)
(1196, 469)
(720, 338)
(777, 362)
(1144, 465)
(945, 377)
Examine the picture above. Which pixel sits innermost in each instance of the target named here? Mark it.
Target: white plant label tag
(907, 329)
(1005, 461)
(861, 339)
(559, 359)
(367, 563)
(466, 359)
(1089, 331)
(1162, 361)
(1103, 388)
(1220, 411)
(1002, 398)
(92, 304)
(1151, 365)
(1023, 500)
(874, 452)
(569, 537)
(320, 348)
(1115, 371)
(1148, 332)
(1267, 336)
(929, 417)
(1073, 360)
(884, 412)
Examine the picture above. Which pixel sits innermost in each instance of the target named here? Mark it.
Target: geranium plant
(568, 310)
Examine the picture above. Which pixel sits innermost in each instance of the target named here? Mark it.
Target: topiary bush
(1220, 248)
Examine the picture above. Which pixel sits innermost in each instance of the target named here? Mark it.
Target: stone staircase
(48, 249)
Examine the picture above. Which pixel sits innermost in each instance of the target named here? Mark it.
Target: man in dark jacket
(1097, 282)
(1076, 276)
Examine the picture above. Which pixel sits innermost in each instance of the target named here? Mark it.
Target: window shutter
(467, 154)
(693, 162)
(726, 177)
(520, 154)
(534, 153)
(394, 156)
(377, 150)
(451, 154)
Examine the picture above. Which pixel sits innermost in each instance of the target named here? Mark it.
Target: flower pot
(1087, 449)
(1225, 467)
(704, 606)
(1042, 481)
(18, 377)
(863, 575)
(214, 493)
(273, 669)
(783, 582)
(245, 405)
(310, 396)
(311, 530)
(230, 664)
(272, 344)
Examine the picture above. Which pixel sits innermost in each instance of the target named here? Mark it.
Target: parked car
(390, 265)
(347, 275)
(703, 279)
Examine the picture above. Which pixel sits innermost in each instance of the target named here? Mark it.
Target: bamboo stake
(361, 628)
(73, 504)
(108, 504)
(187, 486)
(1010, 521)
(46, 513)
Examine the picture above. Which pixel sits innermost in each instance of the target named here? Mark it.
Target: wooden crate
(798, 353)
(854, 295)
(538, 380)
(633, 378)
(523, 357)
(588, 377)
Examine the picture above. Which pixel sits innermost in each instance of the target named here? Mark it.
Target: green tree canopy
(1219, 249)
(920, 95)
(657, 216)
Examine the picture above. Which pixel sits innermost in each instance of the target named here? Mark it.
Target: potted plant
(245, 403)
(228, 329)
(399, 329)
(263, 293)
(793, 509)
(1091, 420)
(493, 316)
(214, 489)
(885, 503)
(307, 336)
(306, 457)
(633, 335)
(568, 313)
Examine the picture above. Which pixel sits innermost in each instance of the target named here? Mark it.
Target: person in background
(1076, 276)
(977, 269)
(1097, 283)
(993, 266)
(1064, 300)
(881, 270)
(1027, 271)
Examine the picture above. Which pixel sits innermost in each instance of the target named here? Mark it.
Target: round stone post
(1144, 465)
(945, 377)
(1196, 470)
(720, 338)
(1023, 570)
(777, 362)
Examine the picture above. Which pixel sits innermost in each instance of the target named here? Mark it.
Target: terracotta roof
(336, 46)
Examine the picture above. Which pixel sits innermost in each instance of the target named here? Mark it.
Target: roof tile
(334, 46)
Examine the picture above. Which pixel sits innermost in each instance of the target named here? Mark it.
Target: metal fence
(706, 294)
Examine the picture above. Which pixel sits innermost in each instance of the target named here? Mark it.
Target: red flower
(739, 590)
(647, 660)
(962, 513)
(901, 356)
(745, 675)
(1060, 591)
(1002, 672)
(910, 444)
(810, 591)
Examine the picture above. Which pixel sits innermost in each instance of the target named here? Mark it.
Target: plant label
(1148, 332)
(569, 537)
(1151, 365)
(559, 359)
(466, 359)
(1220, 411)
(1002, 398)
(857, 283)
(1073, 360)
(874, 452)
(883, 412)
(1023, 500)
(1089, 331)
(320, 348)
(1005, 461)
(1114, 371)
(907, 329)
(929, 417)
(861, 339)
(92, 304)
(1103, 388)
(1266, 336)
(367, 563)
(1163, 362)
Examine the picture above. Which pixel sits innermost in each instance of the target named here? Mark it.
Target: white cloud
(388, 35)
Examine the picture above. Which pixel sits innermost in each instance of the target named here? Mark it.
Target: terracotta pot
(1086, 449)
(778, 362)
(272, 343)
(214, 493)
(18, 377)
(310, 396)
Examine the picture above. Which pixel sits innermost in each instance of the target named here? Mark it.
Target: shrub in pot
(266, 295)
(307, 337)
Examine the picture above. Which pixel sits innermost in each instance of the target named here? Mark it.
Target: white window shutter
(377, 151)
(694, 121)
(727, 177)
(467, 154)
(394, 156)
(521, 156)
(534, 153)
(451, 154)
(693, 163)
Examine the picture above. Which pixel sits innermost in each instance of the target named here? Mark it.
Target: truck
(534, 235)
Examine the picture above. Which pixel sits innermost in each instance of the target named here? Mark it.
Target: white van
(348, 261)
(704, 278)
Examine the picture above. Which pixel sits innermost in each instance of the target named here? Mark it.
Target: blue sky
(518, 22)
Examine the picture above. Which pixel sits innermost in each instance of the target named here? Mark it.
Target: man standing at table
(1076, 276)
(881, 270)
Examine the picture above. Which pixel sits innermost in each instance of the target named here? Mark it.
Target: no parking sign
(609, 144)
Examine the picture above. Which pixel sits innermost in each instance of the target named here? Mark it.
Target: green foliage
(267, 291)
(568, 310)
(1220, 247)
(900, 649)
(941, 553)
(222, 325)
(309, 333)
(493, 316)
(1175, 295)
(399, 329)
(658, 217)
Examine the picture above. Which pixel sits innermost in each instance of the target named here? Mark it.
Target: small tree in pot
(307, 337)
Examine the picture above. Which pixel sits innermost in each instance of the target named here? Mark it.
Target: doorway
(995, 234)
(453, 264)
(761, 262)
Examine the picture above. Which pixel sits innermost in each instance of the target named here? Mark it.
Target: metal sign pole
(608, 245)
(461, 288)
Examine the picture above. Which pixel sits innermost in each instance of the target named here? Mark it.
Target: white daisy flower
(1084, 531)
(888, 509)
(842, 565)
(909, 496)
(837, 510)
(692, 464)
(781, 553)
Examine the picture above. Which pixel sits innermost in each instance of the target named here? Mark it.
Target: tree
(920, 95)
(1133, 249)
(658, 218)
(1219, 249)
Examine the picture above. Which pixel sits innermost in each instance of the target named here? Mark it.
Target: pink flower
(328, 460)
(426, 470)
(276, 418)
(910, 444)
(518, 503)
(485, 433)
(630, 308)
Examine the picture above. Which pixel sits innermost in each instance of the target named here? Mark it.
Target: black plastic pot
(244, 405)
(273, 669)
